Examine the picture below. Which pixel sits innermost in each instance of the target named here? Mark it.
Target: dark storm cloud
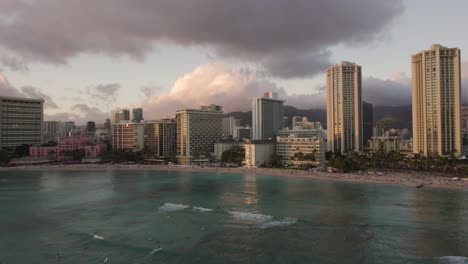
(287, 38)
(389, 92)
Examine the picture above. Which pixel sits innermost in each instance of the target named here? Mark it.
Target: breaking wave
(257, 218)
(453, 260)
(169, 207)
(202, 209)
(285, 222)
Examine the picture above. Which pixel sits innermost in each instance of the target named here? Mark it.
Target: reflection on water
(224, 218)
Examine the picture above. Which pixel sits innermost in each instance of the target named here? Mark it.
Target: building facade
(258, 153)
(229, 123)
(307, 142)
(436, 81)
(21, 122)
(161, 137)
(267, 116)
(241, 133)
(367, 121)
(344, 108)
(122, 115)
(51, 130)
(128, 136)
(67, 145)
(197, 131)
(137, 115)
(388, 144)
(224, 145)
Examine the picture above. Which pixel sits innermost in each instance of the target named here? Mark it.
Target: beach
(409, 178)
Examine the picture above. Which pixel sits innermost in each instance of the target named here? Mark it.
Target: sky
(89, 58)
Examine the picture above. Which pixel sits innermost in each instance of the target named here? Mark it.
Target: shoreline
(409, 178)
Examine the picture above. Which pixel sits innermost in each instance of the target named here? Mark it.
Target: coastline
(409, 178)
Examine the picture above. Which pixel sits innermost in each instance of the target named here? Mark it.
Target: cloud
(149, 90)
(33, 92)
(6, 89)
(106, 93)
(80, 114)
(286, 38)
(218, 84)
(394, 91)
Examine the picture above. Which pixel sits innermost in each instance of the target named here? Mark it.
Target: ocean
(112, 216)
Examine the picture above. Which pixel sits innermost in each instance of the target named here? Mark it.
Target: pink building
(68, 144)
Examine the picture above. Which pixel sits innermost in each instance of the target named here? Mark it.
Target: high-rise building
(160, 138)
(344, 108)
(229, 123)
(464, 117)
(137, 114)
(67, 128)
(122, 115)
(107, 124)
(197, 131)
(129, 136)
(91, 129)
(437, 101)
(267, 116)
(51, 131)
(21, 121)
(367, 122)
(240, 133)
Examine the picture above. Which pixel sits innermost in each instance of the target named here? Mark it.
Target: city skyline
(88, 82)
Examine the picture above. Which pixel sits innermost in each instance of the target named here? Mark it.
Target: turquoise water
(149, 217)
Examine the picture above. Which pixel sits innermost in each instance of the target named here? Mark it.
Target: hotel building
(21, 121)
(128, 136)
(436, 101)
(344, 108)
(267, 116)
(160, 138)
(197, 131)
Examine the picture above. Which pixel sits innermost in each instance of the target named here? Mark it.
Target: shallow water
(183, 217)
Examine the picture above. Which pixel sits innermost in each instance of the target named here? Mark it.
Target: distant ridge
(390, 116)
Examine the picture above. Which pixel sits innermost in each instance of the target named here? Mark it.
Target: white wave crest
(285, 222)
(156, 250)
(454, 260)
(169, 207)
(98, 237)
(202, 209)
(257, 218)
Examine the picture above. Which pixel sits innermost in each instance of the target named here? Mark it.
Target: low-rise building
(67, 145)
(388, 144)
(301, 147)
(224, 145)
(258, 153)
(128, 136)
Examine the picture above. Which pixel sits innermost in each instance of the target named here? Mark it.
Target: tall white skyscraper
(267, 116)
(437, 101)
(344, 108)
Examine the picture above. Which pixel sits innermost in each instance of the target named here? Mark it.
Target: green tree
(4, 157)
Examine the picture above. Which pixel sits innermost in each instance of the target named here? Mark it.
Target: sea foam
(169, 207)
(257, 218)
(285, 222)
(453, 260)
(202, 209)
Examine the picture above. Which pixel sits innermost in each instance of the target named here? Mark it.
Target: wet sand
(410, 178)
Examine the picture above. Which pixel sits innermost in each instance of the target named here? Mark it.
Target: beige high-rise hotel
(344, 108)
(436, 101)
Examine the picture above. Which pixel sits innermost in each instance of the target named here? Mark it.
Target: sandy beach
(409, 178)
